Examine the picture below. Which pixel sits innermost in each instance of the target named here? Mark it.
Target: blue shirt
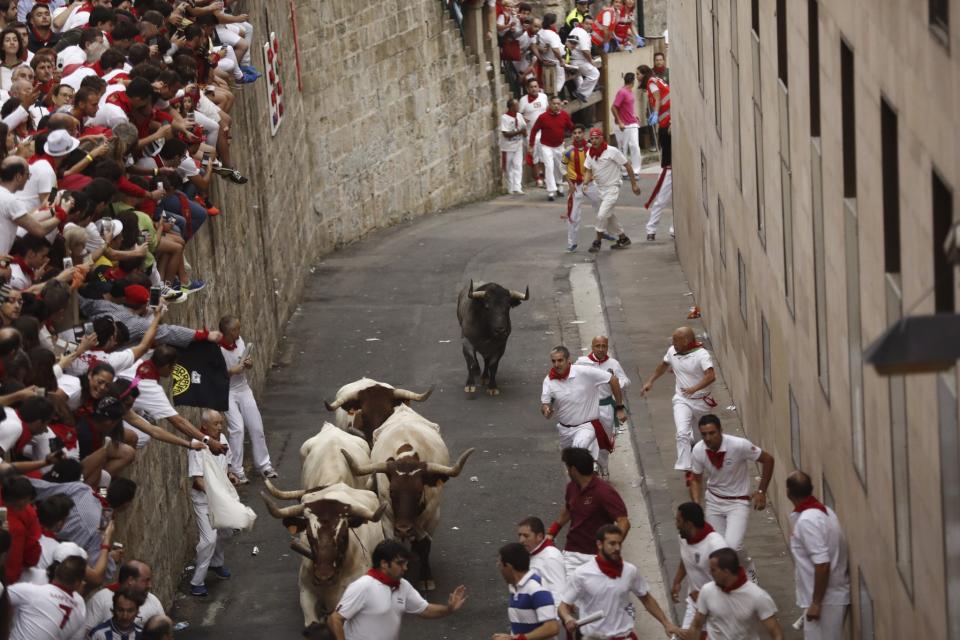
(107, 631)
(531, 605)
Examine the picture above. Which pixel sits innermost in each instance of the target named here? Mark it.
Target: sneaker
(607, 236)
(194, 286)
(594, 246)
(242, 479)
(199, 590)
(232, 175)
(169, 294)
(651, 237)
(221, 572)
(270, 472)
(249, 76)
(572, 248)
(672, 234)
(551, 197)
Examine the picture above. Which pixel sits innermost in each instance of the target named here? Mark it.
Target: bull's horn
(283, 495)
(363, 470)
(475, 295)
(403, 394)
(453, 471)
(302, 549)
(284, 512)
(370, 516)
(516, 295)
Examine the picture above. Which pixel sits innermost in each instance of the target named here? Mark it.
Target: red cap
(596, 131)
(136, 295)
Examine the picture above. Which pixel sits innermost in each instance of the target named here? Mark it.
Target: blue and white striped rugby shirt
(531, 604)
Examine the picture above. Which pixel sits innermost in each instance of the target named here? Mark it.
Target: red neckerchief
(739, 582)
(25, 434)
(596, 154)
(594, 358)
(48, 533)
(103, 501)
(23, 265)
(575, 155)
(609, 569)
(693, 347)
(37, 157)
(383, 578)
(704, 532)
(512, 114)
(120, 99)
(531, 98)
(809, 503)
(547, 542)
(716, 457)
(229, 346)
(148, 371)
(559, 376)
(66, 433)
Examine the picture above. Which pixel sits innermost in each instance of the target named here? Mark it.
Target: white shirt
(512, 124)
(583, 39)
(591, 591)
(10, 429)
(731, 480)
(576, 400)
(735, 615)
(195, 469)
(606, 168)
(548, 564)
(696, 559)
(549, 42)
(100, 609)
(11, 209)
(689, 369)
(610, 364)
(817, 538)
(373, 610)
(531, 110)
(18, 278)
(42, 179)
(152, 401)
(119, 360)
(45, 612)
(238, 382)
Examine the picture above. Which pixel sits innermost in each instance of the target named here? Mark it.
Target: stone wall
(395, 120)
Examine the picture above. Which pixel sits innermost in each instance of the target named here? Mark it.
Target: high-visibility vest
(601, 30)
(663, 89)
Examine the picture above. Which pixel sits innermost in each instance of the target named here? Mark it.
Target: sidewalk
(644, 291)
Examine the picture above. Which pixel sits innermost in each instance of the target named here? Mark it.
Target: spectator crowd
(114, 120)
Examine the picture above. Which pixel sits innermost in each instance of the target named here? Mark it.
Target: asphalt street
(385, 308)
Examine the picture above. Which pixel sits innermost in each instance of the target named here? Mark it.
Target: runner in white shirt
(552, 52)
(572, 393)
(52, 611)
(532, 106)
(732, 607)
(373, 605)
(697, 541)
(693, 367)
(602, 167)
(545, 558)
(726, 462)
(604, 585)
(820, 561)
(513, 129)
(600, 358)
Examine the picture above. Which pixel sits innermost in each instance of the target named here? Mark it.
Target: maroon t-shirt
(590, 508)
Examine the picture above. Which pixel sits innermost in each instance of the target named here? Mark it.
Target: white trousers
(606, 219)
(686, 413)
(210, 543)
(663, 200)
(574, 559)
(552, 167)
(589, 76)
(513, 168)
(229, 35)
(606, 419)
(574, 209)
(581, 436)
(829, 626)
(728, 518)
(628, 140)
(243, 411)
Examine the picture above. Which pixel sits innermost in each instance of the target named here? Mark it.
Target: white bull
(364, 405)
(409, 451)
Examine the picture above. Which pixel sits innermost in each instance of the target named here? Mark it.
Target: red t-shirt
(552, 126)
(590, 508)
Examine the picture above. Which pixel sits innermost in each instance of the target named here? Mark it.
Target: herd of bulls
(379, 471)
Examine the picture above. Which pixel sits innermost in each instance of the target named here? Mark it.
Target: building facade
(816, 163)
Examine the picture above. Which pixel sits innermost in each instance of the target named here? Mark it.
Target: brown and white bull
(337, 520)
(412, 463)
(363, 405)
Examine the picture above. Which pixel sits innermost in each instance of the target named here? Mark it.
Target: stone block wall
(395, 120)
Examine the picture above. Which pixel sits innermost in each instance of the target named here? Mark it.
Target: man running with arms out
(725, 461)
(599, 358)
(603, 167)
(693, 367)
(373, 605)
(697, 541)
(604, 585)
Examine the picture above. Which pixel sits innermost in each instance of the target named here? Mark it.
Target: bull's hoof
(313, 630)
(470, 388)
(430, 585)
(493, 392)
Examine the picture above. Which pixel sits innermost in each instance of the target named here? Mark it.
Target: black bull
(484, 315)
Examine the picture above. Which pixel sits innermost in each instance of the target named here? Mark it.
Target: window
(755, 16)
(950, 494)
(735, 103)
(848, 121)
(721, 233)
(900, 463)
(942, 221)
(794, 429)
(765, 346)
(758, 170)
(703, 183)
(819, 266)
(715, 26)
(890, 173)
(854, 339)
(742, 282)
(782, 41)
(734, 30)
(866, 611)
(828, 498)
(813, 41)
(700, 44)
(940, 19)
(786, 194)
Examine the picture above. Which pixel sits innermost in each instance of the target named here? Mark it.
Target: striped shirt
(531, 605)
(171, 334)
(107, 631)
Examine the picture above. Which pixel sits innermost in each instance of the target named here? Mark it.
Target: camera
(56, 444)
(67, 263)
(154, 297)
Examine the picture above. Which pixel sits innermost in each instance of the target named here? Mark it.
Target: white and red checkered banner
(271, 65)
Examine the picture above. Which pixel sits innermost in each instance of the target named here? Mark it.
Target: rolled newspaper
(593, 617)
